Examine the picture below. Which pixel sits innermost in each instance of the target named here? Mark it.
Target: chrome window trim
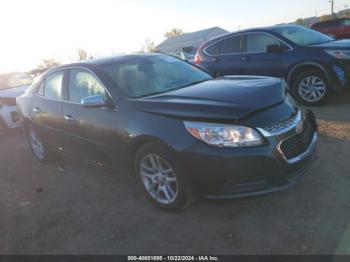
(290, 48)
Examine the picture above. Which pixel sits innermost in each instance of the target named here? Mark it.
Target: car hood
(338, 44)
(229, 98)
(13, 92)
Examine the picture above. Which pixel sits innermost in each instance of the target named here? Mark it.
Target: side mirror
(274, 49)
(93, 101)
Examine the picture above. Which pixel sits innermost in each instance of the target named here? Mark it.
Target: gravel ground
(86, 210)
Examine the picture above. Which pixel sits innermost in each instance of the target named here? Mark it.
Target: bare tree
(173, 32)
(300, 21)
(82, 54)
(49, 63)
(45, 64)
(148, 46)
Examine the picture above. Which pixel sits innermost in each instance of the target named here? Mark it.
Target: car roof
(266, 29)
(118, 58)
(102, 61)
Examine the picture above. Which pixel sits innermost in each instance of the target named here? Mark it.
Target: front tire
(162, 178)
(311, 88)
(39, 148)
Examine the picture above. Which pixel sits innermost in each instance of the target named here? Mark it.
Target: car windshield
(8, 81)
(303, 36)
(145, 76)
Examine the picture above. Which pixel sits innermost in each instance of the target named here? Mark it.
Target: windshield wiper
(162, 92)
(193, 83)
(153, 94)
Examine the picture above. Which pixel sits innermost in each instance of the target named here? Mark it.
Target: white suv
(11, 86)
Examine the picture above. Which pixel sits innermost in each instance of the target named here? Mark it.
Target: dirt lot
(90, 211)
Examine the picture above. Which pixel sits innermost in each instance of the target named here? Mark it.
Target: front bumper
(339, 74)
(222, 173)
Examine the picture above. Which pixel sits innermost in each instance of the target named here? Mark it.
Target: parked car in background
(185, 53)
(11, 86)
(189, 53)
(339, 28)
(181, 131)
(313, 64)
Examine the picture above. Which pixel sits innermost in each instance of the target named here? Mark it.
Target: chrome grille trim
(282, 127)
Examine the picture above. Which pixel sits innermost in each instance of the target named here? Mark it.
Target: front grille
(298, 144)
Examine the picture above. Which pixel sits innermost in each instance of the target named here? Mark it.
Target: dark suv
(313, 64)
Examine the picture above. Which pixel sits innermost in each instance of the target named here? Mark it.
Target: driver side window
(258, 42)
(83, 84)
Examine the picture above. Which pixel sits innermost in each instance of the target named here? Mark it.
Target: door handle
(36, 110)
(68, 118)
(215, 59)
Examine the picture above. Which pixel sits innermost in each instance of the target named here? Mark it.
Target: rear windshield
(145, 76)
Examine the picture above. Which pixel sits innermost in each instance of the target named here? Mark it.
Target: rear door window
(53, 85)
(213, 49)
(232, 45)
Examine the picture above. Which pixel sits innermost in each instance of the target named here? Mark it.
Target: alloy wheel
(159, 178)
(312, 89)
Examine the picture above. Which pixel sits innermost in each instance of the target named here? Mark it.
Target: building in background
(185, 46)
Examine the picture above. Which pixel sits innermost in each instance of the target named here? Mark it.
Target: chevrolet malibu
(182, 132)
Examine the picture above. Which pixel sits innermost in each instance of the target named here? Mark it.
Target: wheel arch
(138, 143)
(303, 67)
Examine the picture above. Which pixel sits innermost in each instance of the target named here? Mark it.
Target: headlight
(221, 135)
(340, 54)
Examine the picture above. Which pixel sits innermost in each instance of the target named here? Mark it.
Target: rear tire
(311, 88)
(38, 146)
(162, 178)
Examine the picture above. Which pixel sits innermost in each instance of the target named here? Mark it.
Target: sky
(32, 30)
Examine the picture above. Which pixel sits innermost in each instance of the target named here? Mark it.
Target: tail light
(7, 101)
(197, 59)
